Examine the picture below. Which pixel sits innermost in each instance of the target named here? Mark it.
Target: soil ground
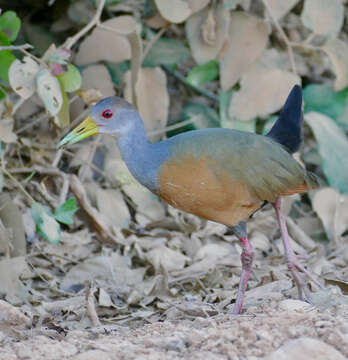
(275, 329)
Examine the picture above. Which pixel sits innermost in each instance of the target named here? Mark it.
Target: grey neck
(142, 158)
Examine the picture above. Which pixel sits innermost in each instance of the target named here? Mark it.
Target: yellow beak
(87, 128)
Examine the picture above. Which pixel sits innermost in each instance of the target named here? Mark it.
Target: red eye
(107, 114)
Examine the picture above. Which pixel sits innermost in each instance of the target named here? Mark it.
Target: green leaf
(10, 24)
(117, 71)
(203, 73)
(323, 99)
(71, 79)
(62, 119)
(2, 92)
(149, 9)
(166, 51)
(6, 58)
(65, 212)
(333, 149)
(46, 225)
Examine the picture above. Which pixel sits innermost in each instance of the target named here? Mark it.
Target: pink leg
(293, 266)
(247, 258)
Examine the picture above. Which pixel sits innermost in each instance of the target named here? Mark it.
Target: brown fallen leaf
(10, 272)
(154, 113)
(97, 76)
(106, 45)
(7, 134)
(323, 17)
(90, 96)
(280, 8)
(175, 11)
(11, 218)
(11, 316)
(111, 204)
(170, 259)
(337, 50)
(111, 270)
(206, 32)
(264, 96)
(197, 5)
(157, 21)
(148, 206)
(332, 209)
(333, 280)
(258, 294)
(213, 251)
(249, 35)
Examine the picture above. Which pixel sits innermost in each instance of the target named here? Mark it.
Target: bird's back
(225, 175)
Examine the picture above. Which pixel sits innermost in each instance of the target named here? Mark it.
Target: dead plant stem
(95, 20)
(283, 35)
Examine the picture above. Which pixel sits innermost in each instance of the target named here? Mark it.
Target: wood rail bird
(222, 175)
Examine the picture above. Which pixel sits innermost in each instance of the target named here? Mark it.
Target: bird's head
(111, 115)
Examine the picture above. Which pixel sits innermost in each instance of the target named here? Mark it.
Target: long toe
(299, 273)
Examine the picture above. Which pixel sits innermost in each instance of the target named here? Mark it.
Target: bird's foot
(296, 268)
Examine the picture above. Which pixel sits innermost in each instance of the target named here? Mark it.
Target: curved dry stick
(283, 35)
(73, 39)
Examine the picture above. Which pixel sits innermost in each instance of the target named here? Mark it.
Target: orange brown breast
(190, 184)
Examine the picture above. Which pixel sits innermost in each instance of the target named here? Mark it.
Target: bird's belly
(191, 185)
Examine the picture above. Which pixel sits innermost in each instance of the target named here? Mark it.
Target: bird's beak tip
(87, 128)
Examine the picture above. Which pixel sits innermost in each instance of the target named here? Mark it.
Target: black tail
(287, 130)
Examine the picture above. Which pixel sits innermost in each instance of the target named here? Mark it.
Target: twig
(304, 45)
(283, 35)
(197, 89)
(65, 189)
(41, 190)
(92, 150)
(73, 39)
(17, 105)
(37, 168)
(91, 165)
(37, 120)
(91, 311)
(53, 171)
(57, 158)
(174, 127)
(47, 116)
(21, 187)
(16, 47)
(40, 61)
(151, 43)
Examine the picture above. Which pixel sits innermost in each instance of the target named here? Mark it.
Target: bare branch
(283, 35)
(96, 19)
(16, 47)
